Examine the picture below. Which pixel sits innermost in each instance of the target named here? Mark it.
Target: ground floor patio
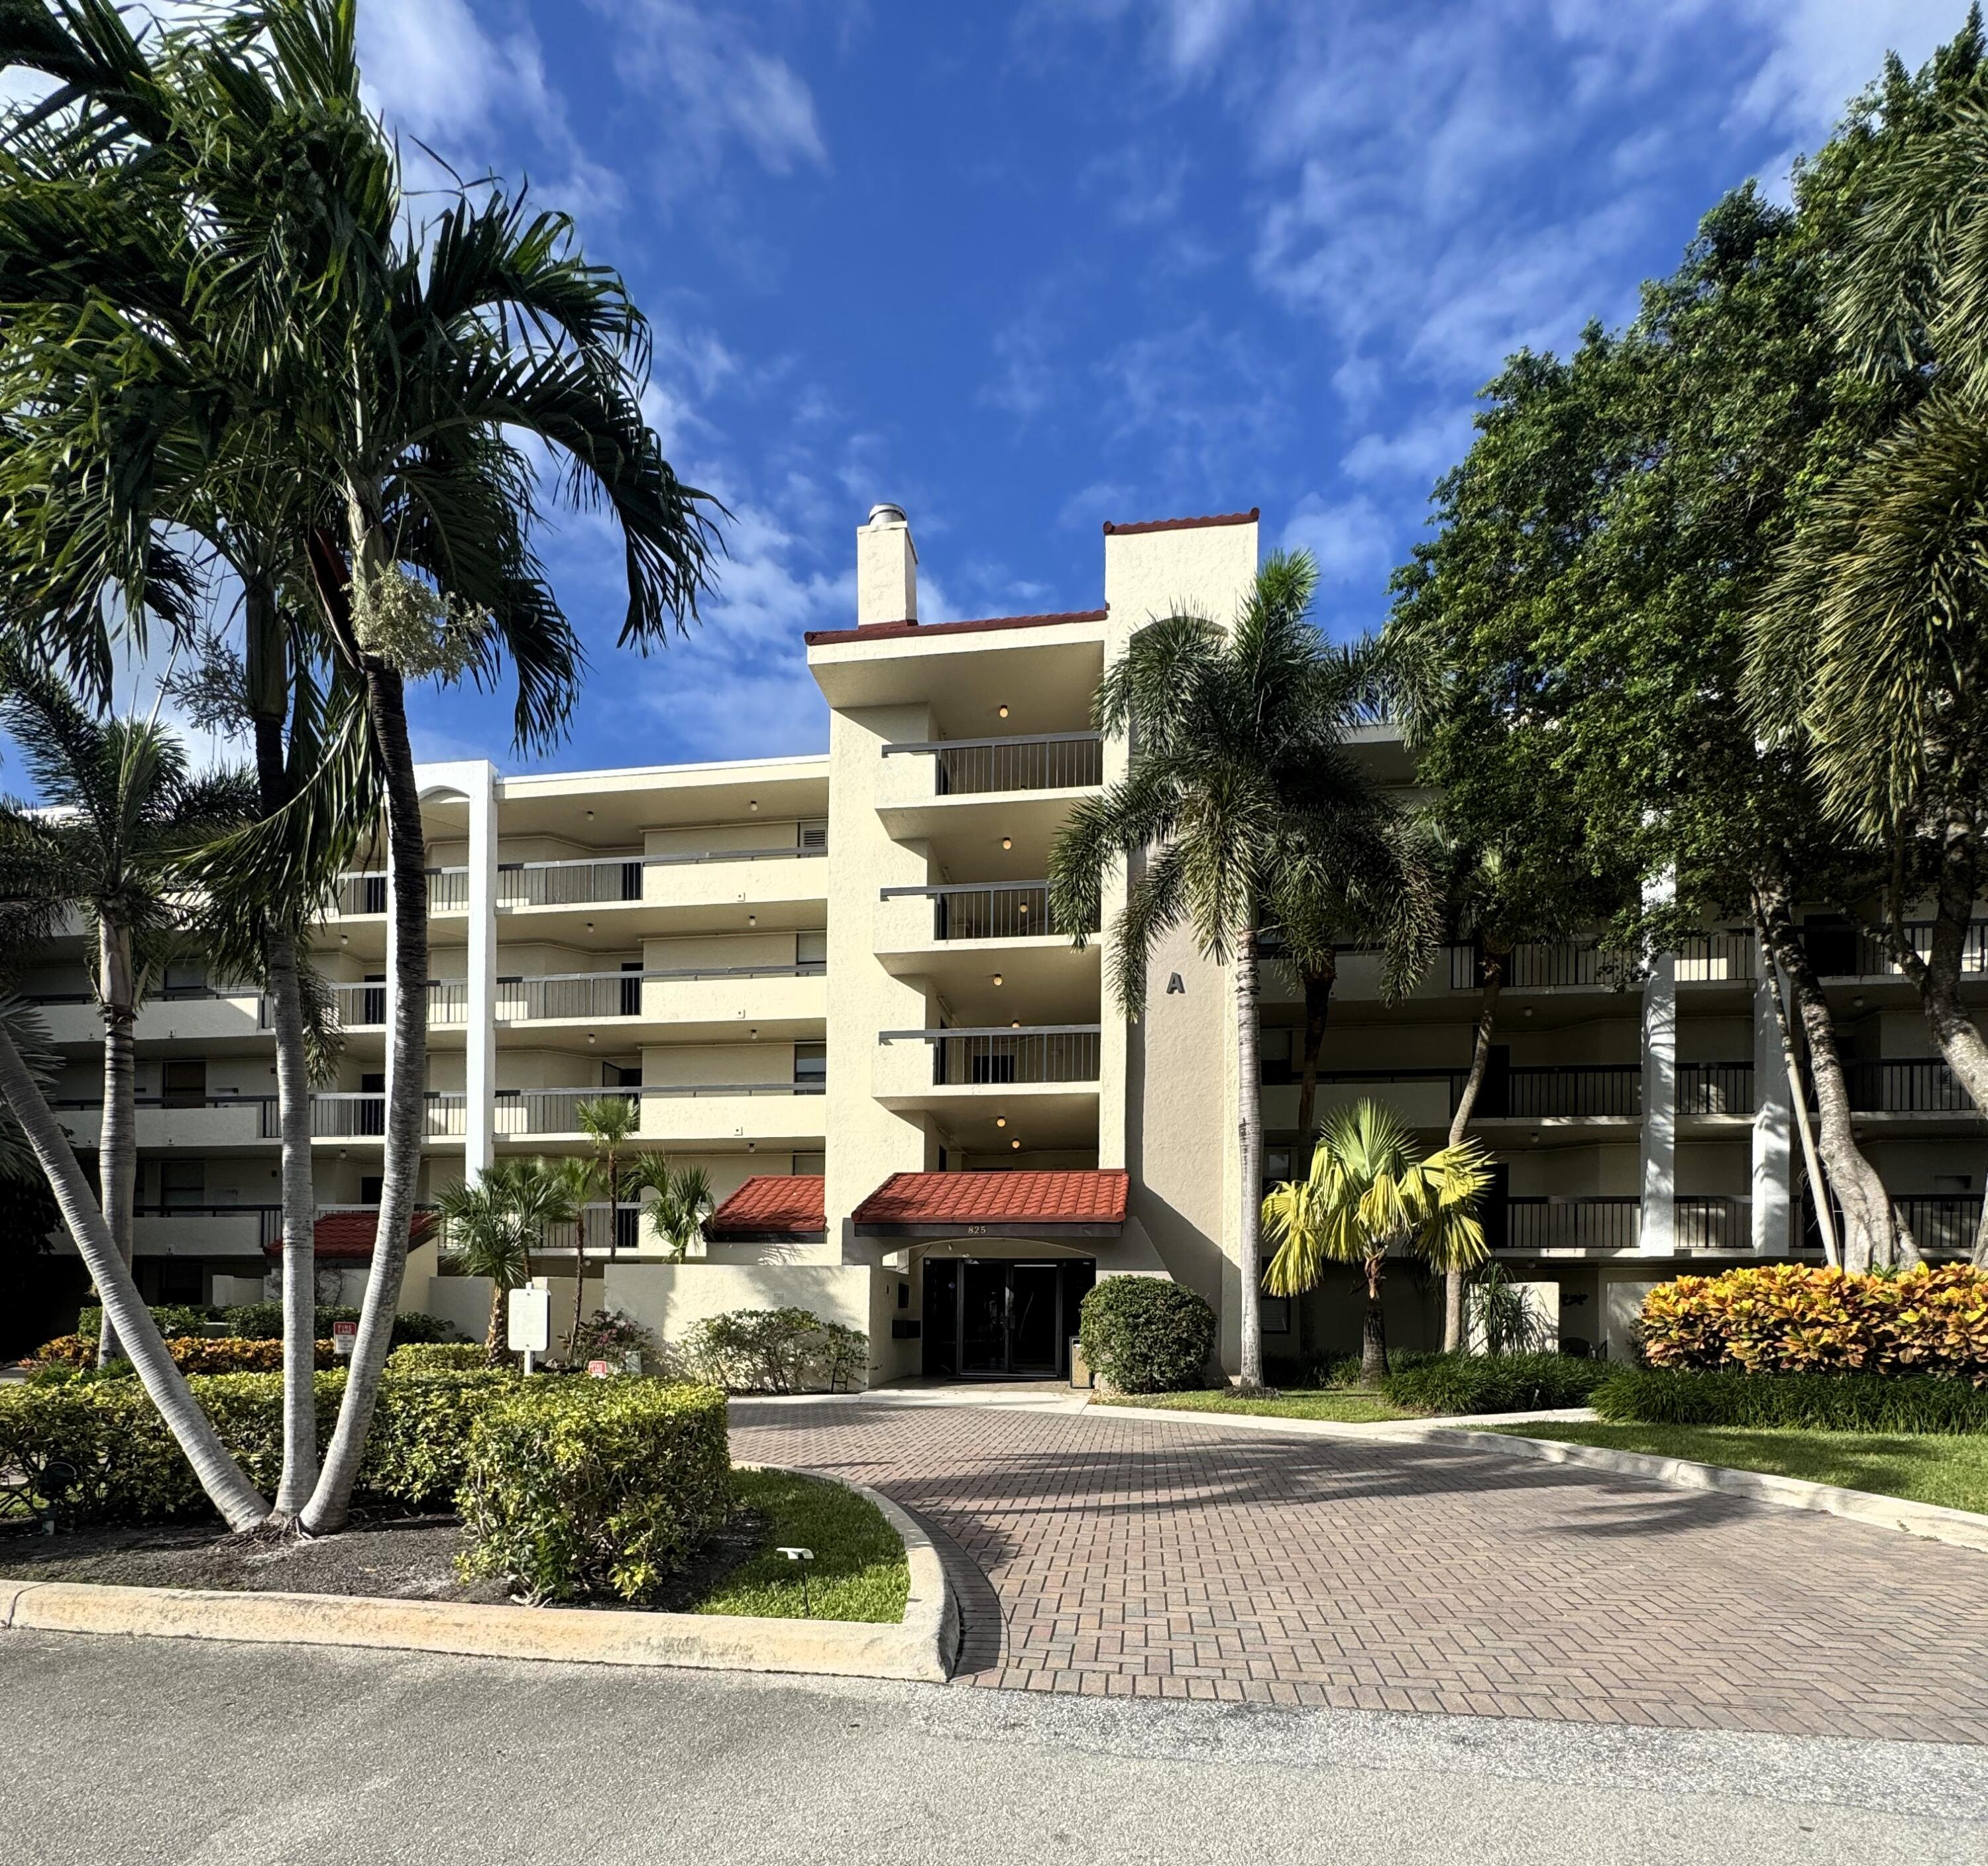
(1109, 1556)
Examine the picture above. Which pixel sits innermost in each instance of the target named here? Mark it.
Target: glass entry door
(1010, 1320)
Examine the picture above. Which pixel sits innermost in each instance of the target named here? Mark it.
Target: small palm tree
(123, 803)
(486, 1234)
(1370, 1191)
(610, 1122)
(683, 1200)
(1239, 770)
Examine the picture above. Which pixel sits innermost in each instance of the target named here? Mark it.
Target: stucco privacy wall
(668, 1298)
(1179, 1063)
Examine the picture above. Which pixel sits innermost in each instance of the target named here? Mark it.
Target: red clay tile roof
(885, 631)
(774, 1204)
(1147, 524)
(348, 1236)
(1046, 1200)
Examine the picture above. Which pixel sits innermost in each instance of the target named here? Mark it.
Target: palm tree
(34, 891)
(1239, 768)
(1370, 1191)
(486, 1233)
(124, 803)
(543, 1194)
(683, 1200)
(610, 1122)
(417, 370)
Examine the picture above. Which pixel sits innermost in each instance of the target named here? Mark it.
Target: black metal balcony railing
(1715, 1088)
(364, 891)
(994, 910)
(1942, 1224)
(1715, 958)
(1713, 1222)
(1067, 1052)
(1921, 1086)
(1534, 1092)
(1540, 965)
(1839, 950)
(1572, 1224)
(1050, 761)
(347, 1115)
(363, 1006)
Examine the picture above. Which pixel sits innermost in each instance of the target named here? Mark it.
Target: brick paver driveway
(1193, 1560)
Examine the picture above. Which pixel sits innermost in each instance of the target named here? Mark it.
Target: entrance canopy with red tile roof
(1084, 1204)
(773, 1205)
(346, 1237)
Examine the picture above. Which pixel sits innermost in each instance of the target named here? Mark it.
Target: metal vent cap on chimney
(887, 515)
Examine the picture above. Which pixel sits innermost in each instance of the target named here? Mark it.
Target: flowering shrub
(191, 1353)
(608, 1335)
(1792, 1318)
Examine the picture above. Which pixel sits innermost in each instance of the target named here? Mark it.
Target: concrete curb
(1380, 1430)
(1961, 1529)
(922, 1647)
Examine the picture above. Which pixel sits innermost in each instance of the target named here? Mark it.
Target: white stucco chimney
(886, 568)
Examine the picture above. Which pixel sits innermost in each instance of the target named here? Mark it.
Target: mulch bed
(384, 1553)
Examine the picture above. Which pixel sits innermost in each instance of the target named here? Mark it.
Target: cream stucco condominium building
(832, 981)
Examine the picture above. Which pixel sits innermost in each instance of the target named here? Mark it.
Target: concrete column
(479, 1068)
(1659, 1147)
(1773, 1128)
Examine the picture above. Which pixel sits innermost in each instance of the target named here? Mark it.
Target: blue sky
(1022, 268)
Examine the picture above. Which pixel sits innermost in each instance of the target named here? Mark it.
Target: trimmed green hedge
(1146, 1334)
(584, 1488)
(1830, 1402)
(1492, 1382)
(129, 1470)
(441, 1356)
(264, 1322)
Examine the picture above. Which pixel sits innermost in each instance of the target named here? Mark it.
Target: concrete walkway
(1135, 1557)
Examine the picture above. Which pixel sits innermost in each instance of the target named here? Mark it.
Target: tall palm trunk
(1374, 1327)
(580, 1266)
(1825, 1219)
(219, 1476)
(1453, 1281)
(268, 691)
(1870, 1234)
(1249, 1134)
(1938, 975)
(1318, 1007)
(117, 1139)
(407, 1083)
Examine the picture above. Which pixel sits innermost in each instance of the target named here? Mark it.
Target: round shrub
(579, 1489)
(774, 1350)
(1147, 1334)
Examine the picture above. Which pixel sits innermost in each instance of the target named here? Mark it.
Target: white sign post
(529, 1320)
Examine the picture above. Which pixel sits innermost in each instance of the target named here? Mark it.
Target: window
(1276, 1312)
(621, 1075)
(1274, 1048)
(182, 1184)
(373, 1000)
(811, 1066)
(811, 952)
(811, 1164)
(370, 1183)
(184, 978)
(631, 988)
(183, 1082)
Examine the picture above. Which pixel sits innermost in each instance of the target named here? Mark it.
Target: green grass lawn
(858, 1571)
(1340, 1404)
(1947, 1468)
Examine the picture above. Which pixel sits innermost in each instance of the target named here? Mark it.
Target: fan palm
(419, 374)
(1239, 770)
(1371, 1191)
(683, 1200)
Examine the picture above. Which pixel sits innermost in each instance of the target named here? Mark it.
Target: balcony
(702, 1000)
(1715, 1088)
(1427, 1097)
(1544, 965)
(564, 898)
(996, 1085)
(1919, 1086)
(925, 787)
(362, 893)
(176, 1230)
(221, 1017)
(1942, 1224)
(342, 1116)
(364, 1006)
(1533, 1224)
(1839, 950)
(709, 1113)
(996, 911)
(198, 1123)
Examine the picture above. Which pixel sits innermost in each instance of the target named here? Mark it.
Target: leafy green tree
(1239, 771)
(1371, 1190)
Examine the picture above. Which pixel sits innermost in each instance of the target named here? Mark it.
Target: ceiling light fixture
(1000, 1120)
(1007, 842)
(752, 804)
(1014, 1024)
(752, 919)
(997, 977)
(1017, 1145)
(589, 816)
(1002, 711)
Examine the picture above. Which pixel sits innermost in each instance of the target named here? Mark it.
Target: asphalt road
(148, 1751)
